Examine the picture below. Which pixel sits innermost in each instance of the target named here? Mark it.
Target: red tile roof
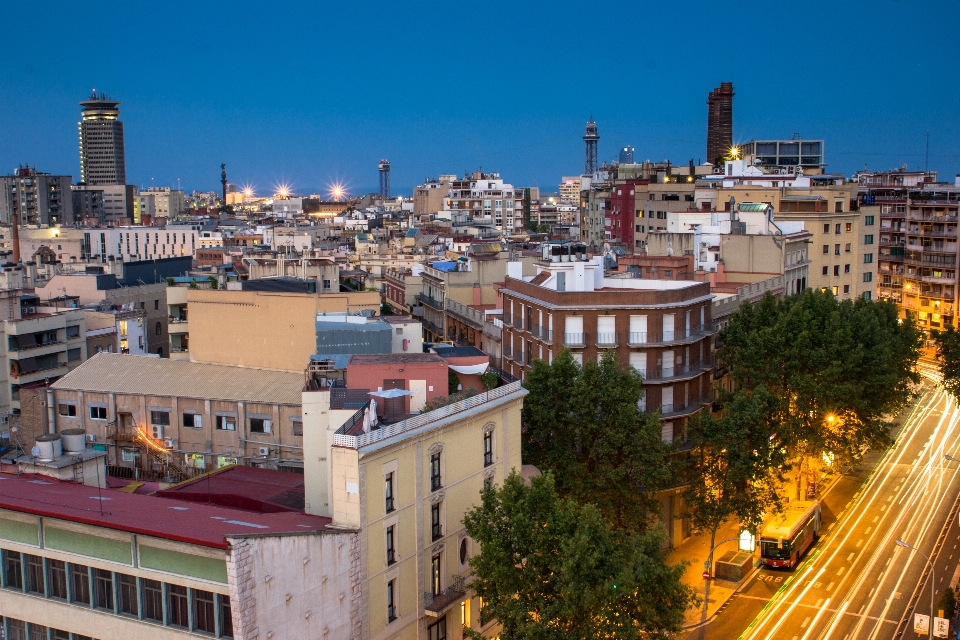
(179, 520)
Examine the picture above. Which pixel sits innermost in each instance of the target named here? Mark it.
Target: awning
(391, 393)
(471, 369)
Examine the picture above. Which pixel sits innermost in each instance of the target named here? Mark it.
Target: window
(826, 249)
(226, 619)
(868, 277)
(259, 425)
(103, 589)
(868, 220)
(98, 413)
(388, 492)
(463, 551)
(846, 248)
(34, 573)
(57, 576)
(435, 574)
(836, 270)
(488, 483)
(127, 592)
(849, 227)
(80, 583)
(836, 291)
(867, 295)
(152, 600)
(17, 629)
(837, 229)
(826, 270)
(68, 410)
(391, 608)
(846, 268)
(435, 472)
(488, 448)
(868, 239)
(867, 258)
(846, 288)
(326, 284)
(465, 613)
(836, 249)
(73, 332)
(438, 630)
(225, 423)
(391, 552)
(156, 305)
(435, 527)
(159, 329)
(826, 228)
(160, 417)
(203, 619)
(73, 355)
(296, 426)
(192, 420)
(178, 608)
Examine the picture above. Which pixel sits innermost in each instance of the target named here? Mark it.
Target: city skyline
(285, 111)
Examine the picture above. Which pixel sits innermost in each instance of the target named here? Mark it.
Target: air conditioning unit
(91, 437)
(156, 431)
(263, 451)
(168, 443)
(6, 419)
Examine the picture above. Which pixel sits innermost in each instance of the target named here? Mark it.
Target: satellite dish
(35, 452)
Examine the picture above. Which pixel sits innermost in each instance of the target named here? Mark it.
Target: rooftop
(137, 375)
(246, 488)
(459, 352)
(395, 358)
(180, 520)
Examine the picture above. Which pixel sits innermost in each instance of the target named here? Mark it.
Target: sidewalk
(694, 550)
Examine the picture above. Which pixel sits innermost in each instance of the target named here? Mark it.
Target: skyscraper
(626, 155)
(719, 121)
(384, 167)
(590, 138)
(101, 141)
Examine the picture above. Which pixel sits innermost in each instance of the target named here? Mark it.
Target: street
(857, 582)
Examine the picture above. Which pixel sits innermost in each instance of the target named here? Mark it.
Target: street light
(933, 579)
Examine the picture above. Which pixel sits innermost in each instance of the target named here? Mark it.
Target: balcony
(575, 339)
(430, 301)
(508, 352)
(675, 410)
(469, 316)
(608, 340)
(678, 372)
(176, 326)
(436, 604)
(545, 334)
(507, 319)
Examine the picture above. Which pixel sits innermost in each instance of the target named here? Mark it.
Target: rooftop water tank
(49, 447)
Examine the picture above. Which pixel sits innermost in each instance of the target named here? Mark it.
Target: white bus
(787, 535)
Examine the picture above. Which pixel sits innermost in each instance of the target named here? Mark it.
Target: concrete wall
(262, 329)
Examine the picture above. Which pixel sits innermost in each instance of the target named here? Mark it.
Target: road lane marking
(875, 519)
(850, 557)
(806, 621)
(869, 529)
(830, 587)
(842, 569)
(860, 544)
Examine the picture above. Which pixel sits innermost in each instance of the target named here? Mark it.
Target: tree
(583, 422)
(948, 359)
(214, 283)
(490, 380)
(550, 568)
(837, 372)
(386, 309)
(948, 602)
(733, 466)
(453, 382)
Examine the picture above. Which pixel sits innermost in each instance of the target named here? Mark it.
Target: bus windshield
(768, 549)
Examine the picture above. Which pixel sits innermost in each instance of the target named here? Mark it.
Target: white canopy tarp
(472, 369)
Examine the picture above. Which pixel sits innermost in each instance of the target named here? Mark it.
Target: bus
(786, 536)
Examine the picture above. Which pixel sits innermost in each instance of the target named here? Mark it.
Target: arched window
(159, 328)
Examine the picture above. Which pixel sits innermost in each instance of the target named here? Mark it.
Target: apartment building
(39, 346)
(406, 488)
(160, 418)
(662, 328)
(467, 281)
(918, 238)
(429, 196)
(120, 204)
(484, 198)
(401, 288)
(35, 197)
(172, 566)
(160, 202)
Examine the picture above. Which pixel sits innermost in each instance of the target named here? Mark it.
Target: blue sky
(314, 92)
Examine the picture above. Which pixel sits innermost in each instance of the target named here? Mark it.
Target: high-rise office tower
(626, 155)
(590, 138)
(101, 141)
(719, 121)
(384, 167)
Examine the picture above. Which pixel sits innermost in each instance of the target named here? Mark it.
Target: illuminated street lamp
(933, 579)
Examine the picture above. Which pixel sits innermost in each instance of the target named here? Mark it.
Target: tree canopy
(550, 568)
(834, 372)
(948, 359)
(583, 422)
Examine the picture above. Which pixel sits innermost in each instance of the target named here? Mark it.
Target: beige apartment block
(406, 487)
(264, 329)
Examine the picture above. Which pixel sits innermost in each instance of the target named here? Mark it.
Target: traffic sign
(921, 623)
(706, 575)
(941, 627)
